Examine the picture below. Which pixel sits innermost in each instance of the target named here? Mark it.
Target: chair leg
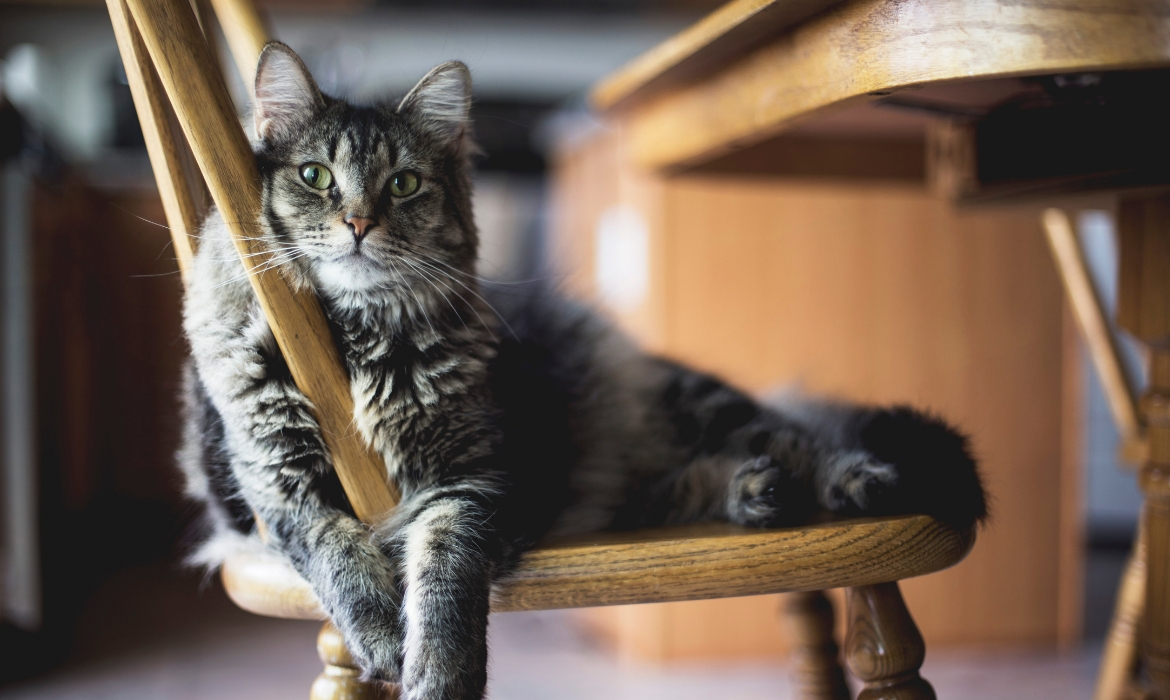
(341, 678)
(817, 673)
(883, 646)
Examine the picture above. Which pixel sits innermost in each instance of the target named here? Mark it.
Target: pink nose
(359, 226)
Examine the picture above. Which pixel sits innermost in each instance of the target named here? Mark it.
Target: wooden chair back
(188, 120)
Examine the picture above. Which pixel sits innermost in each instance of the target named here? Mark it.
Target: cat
(503, 414)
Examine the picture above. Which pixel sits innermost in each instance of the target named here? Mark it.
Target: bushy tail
(937, 474)
(934, 471)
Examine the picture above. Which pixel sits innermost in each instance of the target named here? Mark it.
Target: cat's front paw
(762, 494)
(375, 647)
(857, 484)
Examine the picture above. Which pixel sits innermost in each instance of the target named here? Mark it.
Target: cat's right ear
(442, 99)
(285, 92)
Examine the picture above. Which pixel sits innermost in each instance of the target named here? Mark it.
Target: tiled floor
(151, 635)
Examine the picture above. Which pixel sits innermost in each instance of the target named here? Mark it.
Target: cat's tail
(934, 470)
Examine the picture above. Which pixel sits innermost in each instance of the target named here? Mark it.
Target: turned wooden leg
(1143, 308)
(883, 646)
(816, 671)
(1155, 480)
(340, 679)
(1119, 658)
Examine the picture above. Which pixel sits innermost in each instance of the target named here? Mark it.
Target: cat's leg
(774, 465)
(447, 551)
(740, 461)
(862, 462)
(282, 468)
(782, 483)
(747, 490)
(768, 490)
(893, 460)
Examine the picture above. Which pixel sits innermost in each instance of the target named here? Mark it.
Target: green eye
(316, 176)
(404, 184)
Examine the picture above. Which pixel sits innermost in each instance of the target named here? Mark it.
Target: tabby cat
(501, 422)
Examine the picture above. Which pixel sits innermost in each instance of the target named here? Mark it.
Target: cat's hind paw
(859, 485)
(762, 494)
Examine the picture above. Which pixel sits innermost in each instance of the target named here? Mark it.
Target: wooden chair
(170, 67)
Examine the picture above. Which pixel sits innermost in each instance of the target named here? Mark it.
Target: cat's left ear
(285, 92)
(442, 99)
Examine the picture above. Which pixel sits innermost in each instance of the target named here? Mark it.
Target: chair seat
(707, 560)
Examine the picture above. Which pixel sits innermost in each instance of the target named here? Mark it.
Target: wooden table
(987, 102)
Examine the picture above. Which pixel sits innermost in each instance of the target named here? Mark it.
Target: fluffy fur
(495, 437)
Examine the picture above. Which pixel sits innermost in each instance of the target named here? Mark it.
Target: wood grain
(883, 646)
(863, 50)
(1143, 290)
(1155, 483)
(1094, 326)
(1144, 309)
(712, 560)
(179, 183)
(725, 34)
(200, 99)
(1071, 550)
(245, 33)
(819, 157)
(815, 667)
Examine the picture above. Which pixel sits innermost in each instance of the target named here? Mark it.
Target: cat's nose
(359, 226)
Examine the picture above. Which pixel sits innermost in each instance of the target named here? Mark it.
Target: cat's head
(367, 200)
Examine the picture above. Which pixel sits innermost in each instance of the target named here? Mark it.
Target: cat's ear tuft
(285, 92)
(442, 99)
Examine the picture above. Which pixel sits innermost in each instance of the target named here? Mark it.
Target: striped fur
(504, 414)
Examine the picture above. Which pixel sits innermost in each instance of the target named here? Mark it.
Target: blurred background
(731, 273)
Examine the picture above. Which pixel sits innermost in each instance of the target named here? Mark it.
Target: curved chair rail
(709, 560)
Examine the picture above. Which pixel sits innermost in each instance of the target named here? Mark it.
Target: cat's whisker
(477, 295)
(456, 293)
(427, 279)
(267, 265)
(485, 280)
(157, 274)
(142, 218)
(418, 301)
(444, 281)
(169, 243)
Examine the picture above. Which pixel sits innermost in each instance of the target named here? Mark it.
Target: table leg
(1155, 481)
(1119, 658)
(1144, 310)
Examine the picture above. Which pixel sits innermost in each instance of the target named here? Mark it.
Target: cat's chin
(353, 274)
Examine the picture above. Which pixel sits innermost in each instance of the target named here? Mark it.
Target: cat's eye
(404, 184)
(316, 176)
